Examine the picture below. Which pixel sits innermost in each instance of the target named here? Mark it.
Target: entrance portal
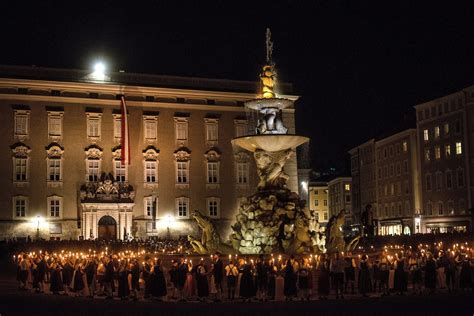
(107, 228)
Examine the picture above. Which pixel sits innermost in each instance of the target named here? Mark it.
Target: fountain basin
(269, 142)
(259, 104)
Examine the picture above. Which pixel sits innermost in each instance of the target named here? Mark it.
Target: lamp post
(38, 218)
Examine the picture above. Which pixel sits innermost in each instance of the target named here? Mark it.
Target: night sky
(359, 66)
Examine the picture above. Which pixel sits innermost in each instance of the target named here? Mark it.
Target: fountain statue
(274, 219)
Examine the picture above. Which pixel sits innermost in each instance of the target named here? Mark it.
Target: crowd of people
(151, 275)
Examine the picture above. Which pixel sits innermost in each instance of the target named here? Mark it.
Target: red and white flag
(125, 137)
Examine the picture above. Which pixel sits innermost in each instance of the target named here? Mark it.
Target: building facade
(319, 201)
(445, 129)
(363, 178)
(398, 185)
(60, 158)
(340, 198)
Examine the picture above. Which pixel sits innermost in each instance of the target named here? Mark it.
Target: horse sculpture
(335, 240)
(210, 239)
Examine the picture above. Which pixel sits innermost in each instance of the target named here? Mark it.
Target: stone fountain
(273, 219)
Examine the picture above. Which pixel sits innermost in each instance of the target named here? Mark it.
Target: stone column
(121, 224)
(87, 225)
(94, 224)
(128, 225)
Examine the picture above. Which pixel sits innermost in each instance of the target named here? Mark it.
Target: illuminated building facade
(340, 198)
(61, 148)
(319, 201)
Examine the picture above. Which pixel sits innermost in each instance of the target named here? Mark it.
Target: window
(398, 169)
(181, 131)
(405, 166)
(449, 179)
(117, 127)
(22, 118)
(243, 173)
(426, 135)
(212, 131)
(427, 155)
(400, 210)
(316, 214)
(439, 180)
(436, 132)
(213, 206)
(120, 171)
(54, 169)
(440, 208)
(148, 206)
(151, 174)
(392, 189)
(316, 203)
(325, 216)
(399, 188)
(94, 125)
(450, 207)
(380, 173)
(437, 152)
(405, 146)
(429, 208)
(316, 192)
(54, 206)
(347, 187)
(457, 127)
(446, 129)
(407, 208)
(462, 206)
(212, 172)
(407, 187)
(150, 126)
(447, 151)
(428, 182)
(55, 124)
(325, 202)
(348, 198)
(458, 148)
(182, 174)
(460, 178)
(240, 128)
(21, 169)
(182, 207)
(93, 170)
(20, 206)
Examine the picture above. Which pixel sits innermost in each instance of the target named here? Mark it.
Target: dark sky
(359, 66)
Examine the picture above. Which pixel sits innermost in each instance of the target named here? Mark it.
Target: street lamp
(169, 221)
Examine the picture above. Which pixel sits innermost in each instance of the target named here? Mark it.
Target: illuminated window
(347, 187)
(426, 135)
(405, 146)
(20, 206)
(447, 150)
(182, 207)
(437, 152)
(213, 206)
(446, 129)
(325, 216)
(436, 132)
(458, 148)
(148, 206)
(427, 155)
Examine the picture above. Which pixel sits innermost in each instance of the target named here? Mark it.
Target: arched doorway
(107, 228)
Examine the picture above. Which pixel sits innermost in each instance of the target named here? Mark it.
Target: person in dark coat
(91, 270)
(157, 281)
(450, 271)
(272, 274)
(400, 278)
(40, 273)
(146, 277)
(56, 278)
(109, 277)
(123, 287)
(218, 274)
(323, 277)
(247, 287)
(365, 283)
(202, 285)
(262, 269)
(78, 279)
(465, 280)
(67, 273)
(181, 275)
(135, 279)
(290, 276)
(349, 273)
(303, 279)
(430, 274)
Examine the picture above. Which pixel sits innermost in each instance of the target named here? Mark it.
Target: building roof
(134, 79)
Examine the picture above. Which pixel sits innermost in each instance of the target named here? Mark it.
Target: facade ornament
(213, 155)
(20, 150)
(107, 190)
(54, 150)
(93, 152)
(241, 156)
(151, 153)
(117, 152)
(182, 154)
